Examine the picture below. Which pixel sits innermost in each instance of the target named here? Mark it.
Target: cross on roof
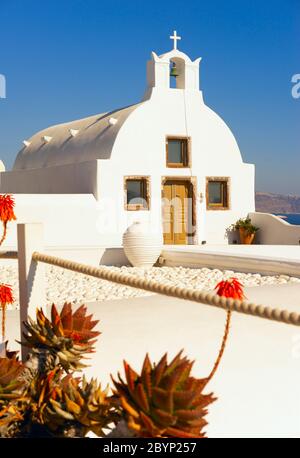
(175, 38)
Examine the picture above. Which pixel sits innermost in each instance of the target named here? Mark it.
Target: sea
(292, 218)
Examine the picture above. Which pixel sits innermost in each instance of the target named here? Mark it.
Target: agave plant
(71, 406)
(10, 378)
(64, 339)
(11, 417)
(165, 400)
(12, 389)
(6, 353)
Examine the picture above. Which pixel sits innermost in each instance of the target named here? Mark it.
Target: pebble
(63, 285)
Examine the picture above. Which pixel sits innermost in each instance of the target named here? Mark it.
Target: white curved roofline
(94, 140)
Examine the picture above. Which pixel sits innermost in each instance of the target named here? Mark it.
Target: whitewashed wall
(274, 230)
(140, 149)
(70, 227)
(68, 219)
(77, 178)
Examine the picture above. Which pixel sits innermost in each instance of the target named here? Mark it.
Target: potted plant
(246, 229)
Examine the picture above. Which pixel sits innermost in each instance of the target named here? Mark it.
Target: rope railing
(200, 296)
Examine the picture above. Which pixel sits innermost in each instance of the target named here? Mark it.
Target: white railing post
(32, 292)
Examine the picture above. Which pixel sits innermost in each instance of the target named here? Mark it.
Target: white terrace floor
(266, 259)
(258, 382)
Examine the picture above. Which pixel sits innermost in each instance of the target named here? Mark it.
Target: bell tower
(174, 64)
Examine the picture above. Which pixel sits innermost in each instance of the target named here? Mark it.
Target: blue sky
(66, 59)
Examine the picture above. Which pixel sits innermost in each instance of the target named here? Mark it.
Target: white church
(88, 180)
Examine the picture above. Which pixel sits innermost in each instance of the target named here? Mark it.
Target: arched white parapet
(274, 230)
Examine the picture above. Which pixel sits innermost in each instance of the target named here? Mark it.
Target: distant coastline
(279, 204)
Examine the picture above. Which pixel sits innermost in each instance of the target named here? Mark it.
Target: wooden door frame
(192, 239)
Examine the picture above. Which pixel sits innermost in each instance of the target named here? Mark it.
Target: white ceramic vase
(141, 246)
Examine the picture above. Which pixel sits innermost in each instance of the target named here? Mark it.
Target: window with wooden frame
(137, 193)
(217, 193)
(178, 151)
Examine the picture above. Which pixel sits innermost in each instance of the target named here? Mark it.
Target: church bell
(174, 71)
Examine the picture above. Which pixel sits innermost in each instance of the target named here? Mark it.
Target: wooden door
(176, 207)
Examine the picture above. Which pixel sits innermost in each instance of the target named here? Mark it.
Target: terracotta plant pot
(245, 237)
(141, 246)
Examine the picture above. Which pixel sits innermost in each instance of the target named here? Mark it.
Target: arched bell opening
(177, 73)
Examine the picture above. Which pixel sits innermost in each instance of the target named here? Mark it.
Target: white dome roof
(92, 138)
